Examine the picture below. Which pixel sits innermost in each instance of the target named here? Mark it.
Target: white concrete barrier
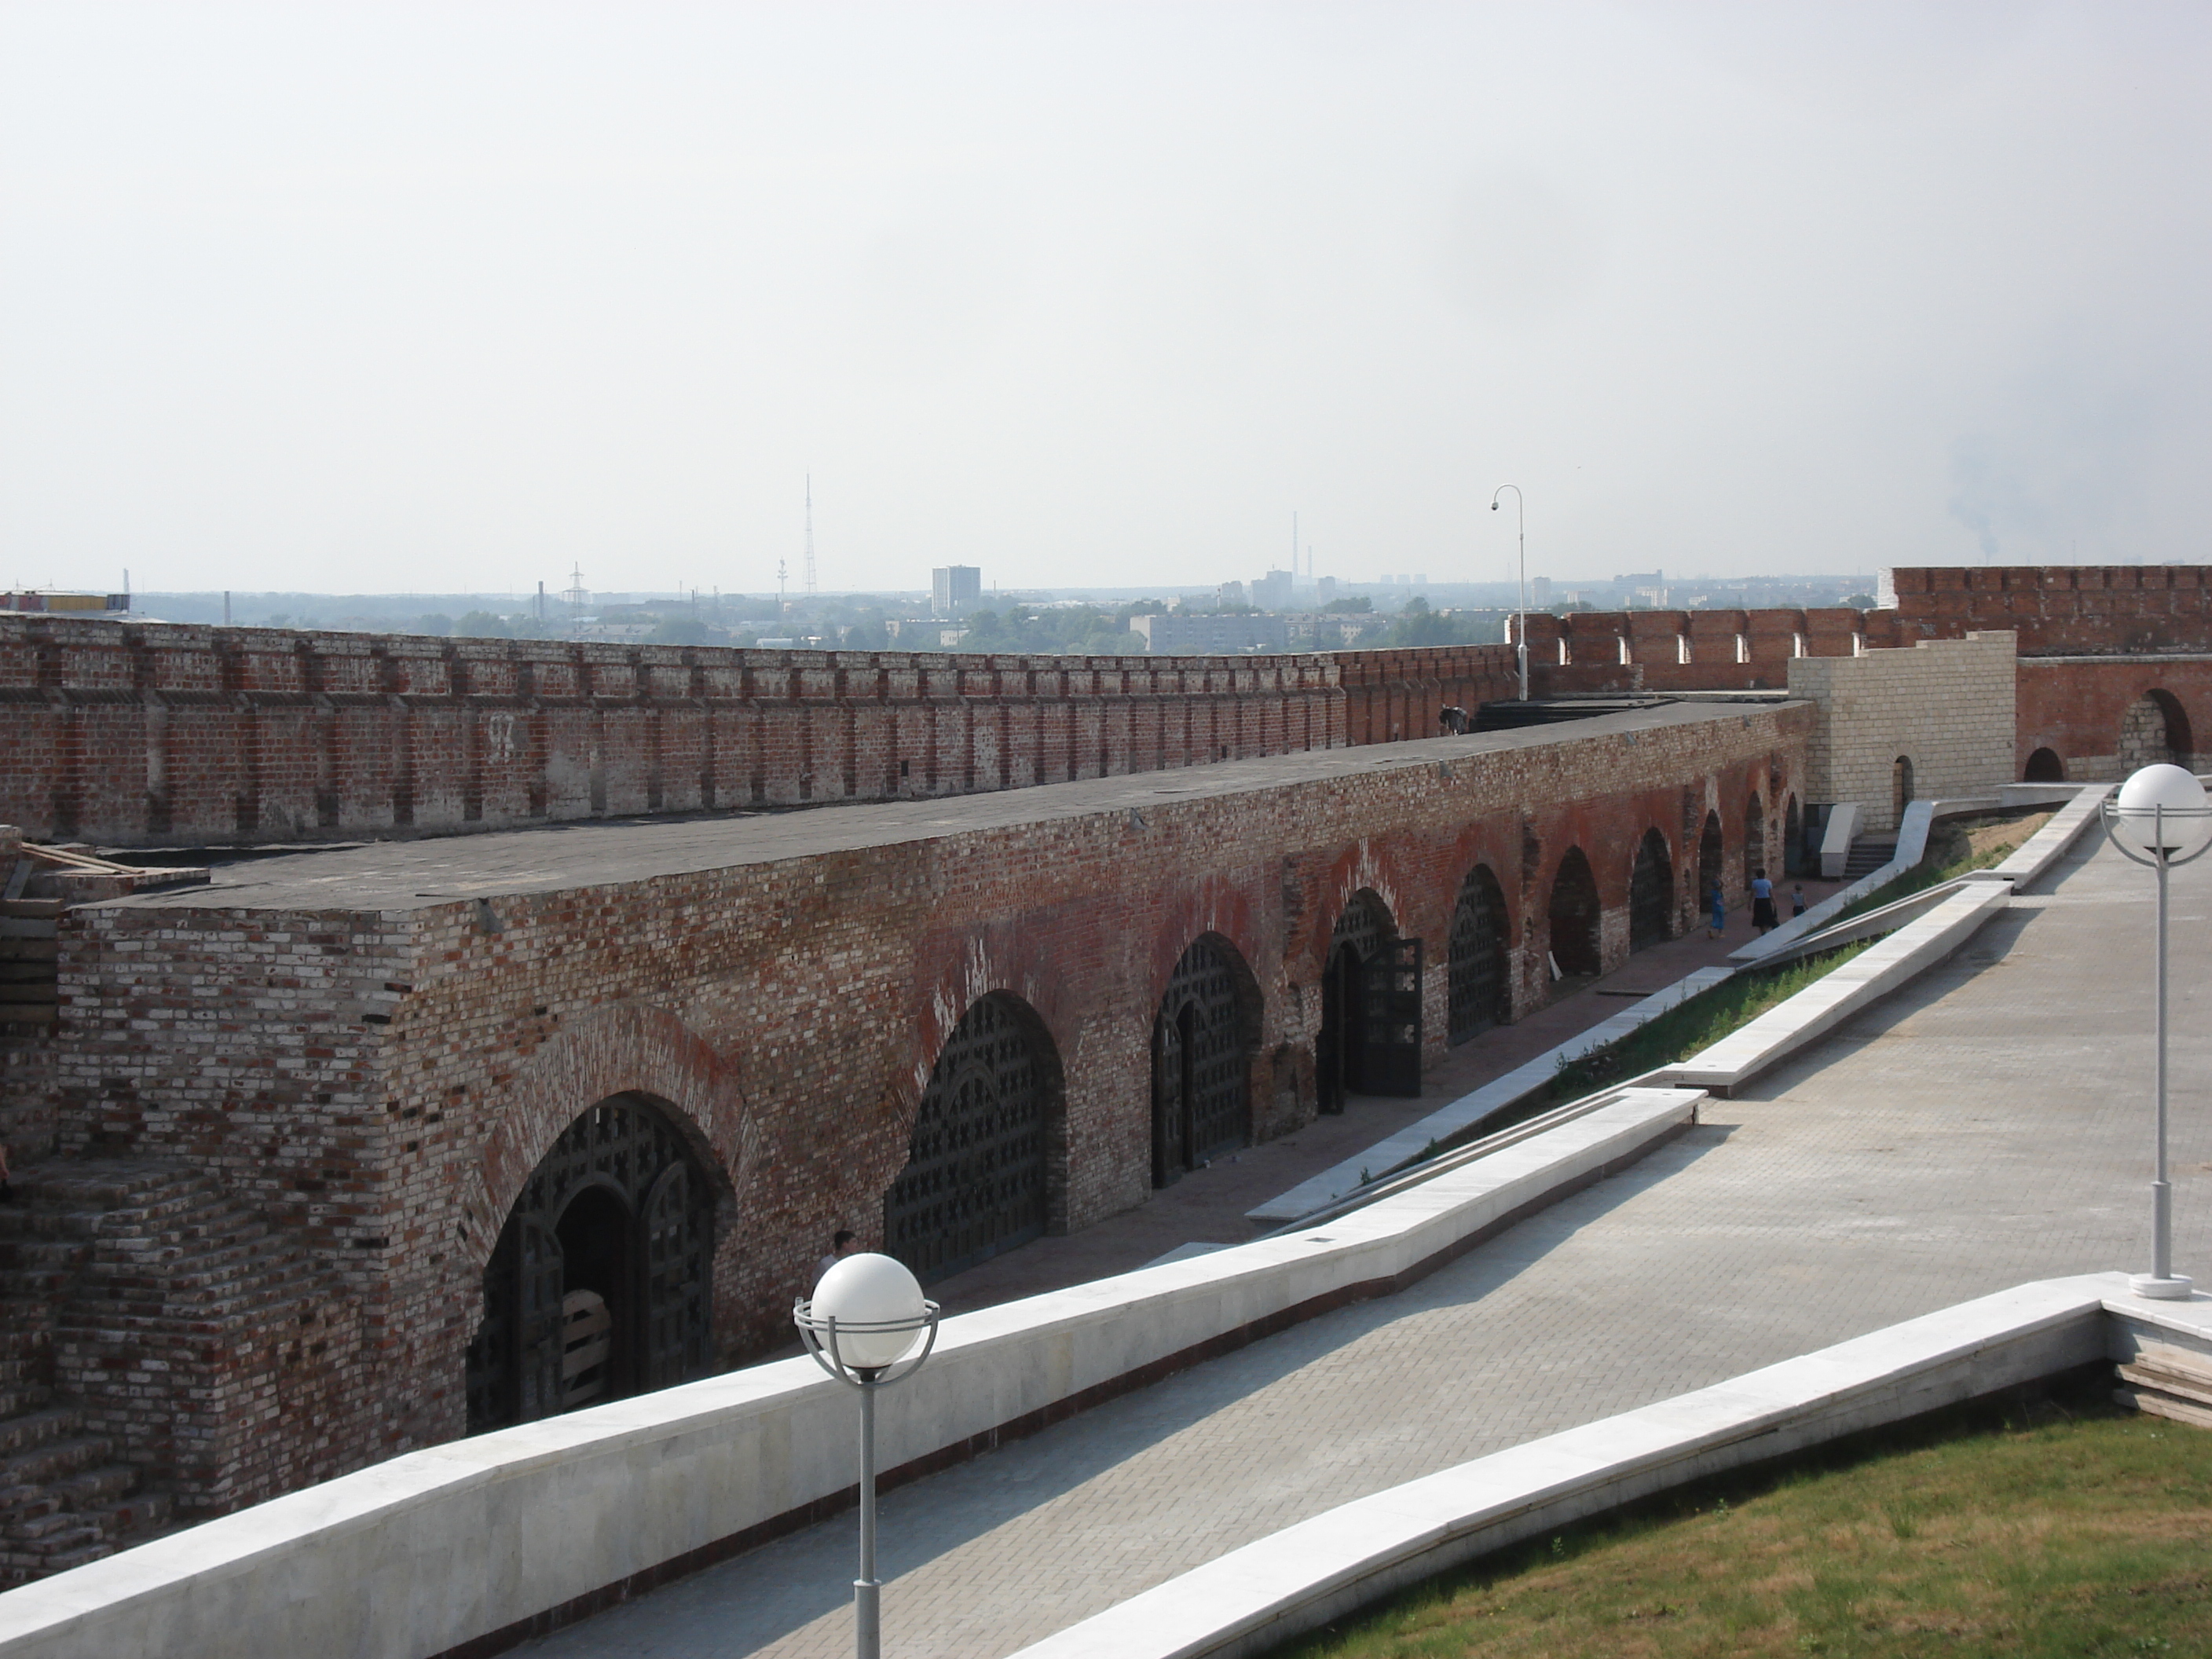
(2035, 857)
(1843, 991)
(1440, 1126)
(1836, 838)
(1320, 1570)
(481, 1537)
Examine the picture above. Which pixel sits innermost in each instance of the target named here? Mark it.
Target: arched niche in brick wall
(1479, 993)
(1205, 1033)
(1369, 987)
(1651, 893)
(601, 1282)
(988, 1147)
(1711, 854)
(1572, 916)
(2045, 766)
(2153, 730)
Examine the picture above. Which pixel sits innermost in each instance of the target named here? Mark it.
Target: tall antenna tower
(810, 535)
(1294, 545)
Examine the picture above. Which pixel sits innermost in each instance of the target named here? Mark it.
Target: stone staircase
(1868, 854)
(2170, 1382)
(121, 1284)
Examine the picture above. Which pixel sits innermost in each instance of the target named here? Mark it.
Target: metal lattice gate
(628, 1148)
(1371, 1034)
(1651, 893)
(1480, 985)
(975, 1181)
(1202, 1065)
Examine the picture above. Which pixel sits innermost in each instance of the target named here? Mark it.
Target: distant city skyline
(379, 299)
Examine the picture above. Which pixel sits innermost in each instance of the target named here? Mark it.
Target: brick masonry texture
(156, 735)
(147, 735)
(363, 1054)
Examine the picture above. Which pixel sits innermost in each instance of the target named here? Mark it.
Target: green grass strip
(1695, 1024)
(2069, 1531)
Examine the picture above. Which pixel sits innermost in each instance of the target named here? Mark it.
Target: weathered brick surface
(152, 735)
(2078, 707)
(375, 1075)
(2059, 610)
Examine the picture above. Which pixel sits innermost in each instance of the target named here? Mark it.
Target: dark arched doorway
(1651, 894)
(1709, 855)
(600, 1283)
(1369, 1040)
(1900, 789)
(1754, 839)
(1480, 991)
(1794, 861)
(2154, 730)
(1572, 918)
(977, 1176)
(2044, 766)
(1203, 1035)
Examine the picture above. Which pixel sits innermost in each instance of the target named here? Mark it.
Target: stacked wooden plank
(28, 950)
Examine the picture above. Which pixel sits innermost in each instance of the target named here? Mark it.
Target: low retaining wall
(1753, 1048)
(1296, 1580)
(475, 1544)
(1450, 1123)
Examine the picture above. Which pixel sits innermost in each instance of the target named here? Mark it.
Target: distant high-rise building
(1325, 589)
(954, 586)
(1272, 590)
(1540, 592)
(1230, 593)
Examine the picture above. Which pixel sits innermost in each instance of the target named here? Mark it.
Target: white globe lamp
(2163, 808)
(871, 1310)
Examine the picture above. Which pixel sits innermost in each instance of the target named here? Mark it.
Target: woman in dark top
(1762, 902)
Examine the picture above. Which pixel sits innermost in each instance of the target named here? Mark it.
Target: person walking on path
(1762, 903)
(1718, 925)
(842, 1246)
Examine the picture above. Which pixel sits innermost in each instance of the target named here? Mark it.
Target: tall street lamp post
(1521, 618)
(866, 1317)
(2160, 818)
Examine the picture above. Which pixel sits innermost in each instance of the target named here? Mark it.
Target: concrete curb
(2035, 857)
(1343, 1179)
(1842, 991)
(470, 1546)
(1307, 1574)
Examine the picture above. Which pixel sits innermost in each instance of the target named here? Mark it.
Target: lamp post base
(2173, 1288)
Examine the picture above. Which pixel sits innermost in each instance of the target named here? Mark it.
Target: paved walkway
(1987, 1126)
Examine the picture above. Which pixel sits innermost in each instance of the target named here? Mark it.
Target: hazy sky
(370, 298)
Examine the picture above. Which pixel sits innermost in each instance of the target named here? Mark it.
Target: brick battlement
(159, 735)
(2060, 610)
(152, 735)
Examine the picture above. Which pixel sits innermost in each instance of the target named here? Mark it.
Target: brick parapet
(153, 735)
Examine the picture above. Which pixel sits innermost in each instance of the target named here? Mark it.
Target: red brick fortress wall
(156, 735)
(399, 1062)
(2106, 652)
(2060, 610)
